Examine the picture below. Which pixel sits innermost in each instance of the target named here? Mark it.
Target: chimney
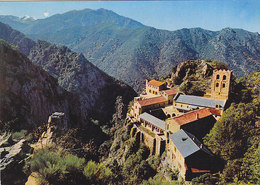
(197, 116)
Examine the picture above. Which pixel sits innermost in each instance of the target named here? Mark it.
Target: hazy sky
(171, 15)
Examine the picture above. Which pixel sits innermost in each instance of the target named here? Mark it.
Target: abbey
(167, 120)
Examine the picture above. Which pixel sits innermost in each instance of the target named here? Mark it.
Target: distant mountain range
(93, 92)
(131, 51)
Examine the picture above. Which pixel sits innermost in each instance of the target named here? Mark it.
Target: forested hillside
(121, 46)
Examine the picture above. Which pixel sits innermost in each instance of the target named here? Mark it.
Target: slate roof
(193, 116)
(156, 83)
(199, 101)
(152, 101)
(153, 120)
(186, 143)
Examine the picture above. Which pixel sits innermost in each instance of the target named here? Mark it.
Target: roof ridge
(204, 108)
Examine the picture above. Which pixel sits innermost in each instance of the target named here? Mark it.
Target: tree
(228, 137)
(117, 116)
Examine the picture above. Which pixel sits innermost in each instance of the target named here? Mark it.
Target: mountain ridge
(75, 74)
(147, 52)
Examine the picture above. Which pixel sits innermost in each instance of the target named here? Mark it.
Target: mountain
(132, 51)
(69, 20)
(96, 90)
(16, 38)
(29, 94)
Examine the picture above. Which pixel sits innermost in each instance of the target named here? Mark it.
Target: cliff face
(16, 38)
(28, 93)
(96, 90)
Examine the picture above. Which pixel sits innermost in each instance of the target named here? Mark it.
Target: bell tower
(220, 85)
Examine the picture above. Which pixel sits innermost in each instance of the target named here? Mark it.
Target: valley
(93, 97)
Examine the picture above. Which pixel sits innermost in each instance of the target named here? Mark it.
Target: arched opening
(224, 77)
(224, 85)
(217, 76)
(168, 115)
(217, 84)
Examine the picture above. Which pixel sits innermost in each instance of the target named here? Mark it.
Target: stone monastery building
(167, 120)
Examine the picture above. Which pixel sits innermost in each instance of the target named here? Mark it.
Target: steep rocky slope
(130, 51)
(29, 94)
(97, 90)
(16, 38)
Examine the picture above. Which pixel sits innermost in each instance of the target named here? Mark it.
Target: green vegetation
(53, 168)
(96, 173)
(19, 135)
(235, 137)
(197, 88)
(159, 179)
(216, 64)
(136, 168)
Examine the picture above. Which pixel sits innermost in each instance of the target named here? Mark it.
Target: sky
(169, 15)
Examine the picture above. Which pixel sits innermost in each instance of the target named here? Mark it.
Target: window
(224, 85)
(217, 76)
(224, 77)
(217, 84)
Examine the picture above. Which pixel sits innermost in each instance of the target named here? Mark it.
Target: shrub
(19, 135)
(96, 173)
(55, 169)
(154, 162)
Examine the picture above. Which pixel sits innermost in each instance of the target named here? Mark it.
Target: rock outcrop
(57, 126)
(29, 94)
(13, 153)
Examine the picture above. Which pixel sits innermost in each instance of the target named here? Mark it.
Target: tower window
(217, 76)
(224, 85)
(224, 77)
(217, 84)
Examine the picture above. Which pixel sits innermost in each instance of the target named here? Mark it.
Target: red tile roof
(156, 83)
(194, 170)
(192, 116)
(152, 101)
(216, 112)
(171, 91)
